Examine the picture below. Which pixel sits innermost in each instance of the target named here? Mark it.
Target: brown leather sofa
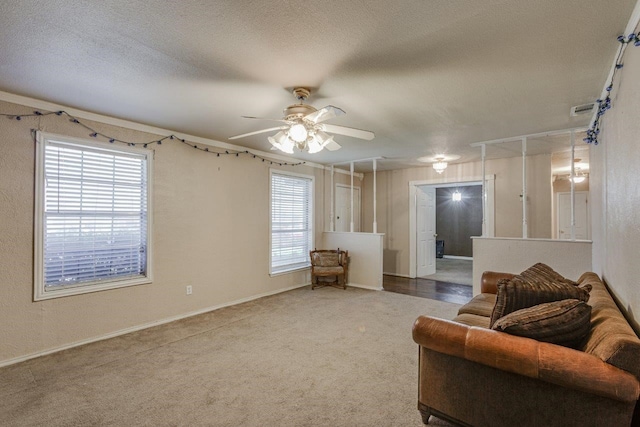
(474, 376)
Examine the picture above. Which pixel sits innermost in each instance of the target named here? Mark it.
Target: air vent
(582, 109)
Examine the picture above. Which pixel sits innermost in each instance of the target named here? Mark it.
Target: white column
(332, 224)
(483, 156)
(524, 188)
(573, 187)
(375, 197)
(351, 225)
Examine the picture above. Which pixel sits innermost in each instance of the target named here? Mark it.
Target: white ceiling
(426, 76)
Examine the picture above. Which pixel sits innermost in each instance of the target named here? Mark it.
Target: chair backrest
(328, 258)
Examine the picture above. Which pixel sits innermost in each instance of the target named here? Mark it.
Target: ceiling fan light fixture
(314, 145)
(304, 125)
(298, 132)
(287, 146)
(281, 142)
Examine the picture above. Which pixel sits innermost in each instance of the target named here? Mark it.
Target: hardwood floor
(426, 288)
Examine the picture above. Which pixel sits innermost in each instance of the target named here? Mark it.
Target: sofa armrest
(489, 281)
(539, 360)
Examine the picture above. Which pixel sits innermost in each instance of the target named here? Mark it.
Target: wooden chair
(329, 263)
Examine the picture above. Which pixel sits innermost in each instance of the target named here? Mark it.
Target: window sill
(42, 294)
(289, 270)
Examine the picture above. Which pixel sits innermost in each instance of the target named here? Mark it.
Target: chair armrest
(489, 281)
(552, 363)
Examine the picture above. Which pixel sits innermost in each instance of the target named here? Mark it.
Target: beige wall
(210, 231)
(615, 193)
(339, 177)
(393, 201)
(365, 257)
(569, 258)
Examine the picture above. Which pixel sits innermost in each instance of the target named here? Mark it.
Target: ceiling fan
(304, 128)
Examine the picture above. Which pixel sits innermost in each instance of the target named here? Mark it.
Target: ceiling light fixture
(439, 162)
(578, 175)
(456, 196)
(440, 165)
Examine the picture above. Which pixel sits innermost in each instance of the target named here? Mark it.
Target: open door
(426, 227)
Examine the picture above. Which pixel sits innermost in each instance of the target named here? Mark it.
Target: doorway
(424, 232)
(343, 208)
(581, 211)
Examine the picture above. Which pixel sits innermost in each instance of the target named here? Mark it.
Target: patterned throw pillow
(543, 273)
(516, 294)
(565, 322)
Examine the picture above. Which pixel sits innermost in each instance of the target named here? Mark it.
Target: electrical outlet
(189, 290)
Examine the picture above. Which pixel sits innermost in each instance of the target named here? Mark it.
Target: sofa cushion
(472, 320)
(328, 271)
(566, 322)
(481, 305)
(516, 294)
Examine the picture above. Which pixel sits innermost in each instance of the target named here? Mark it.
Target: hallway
(459, 271)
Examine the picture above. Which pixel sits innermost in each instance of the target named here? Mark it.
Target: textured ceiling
(426, 76)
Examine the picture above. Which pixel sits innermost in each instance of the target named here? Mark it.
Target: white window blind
(291, 221)
(94, 222)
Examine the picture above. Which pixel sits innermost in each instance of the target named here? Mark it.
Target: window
(291, 221)
(92, 227)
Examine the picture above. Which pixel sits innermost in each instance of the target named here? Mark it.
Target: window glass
(291, 221)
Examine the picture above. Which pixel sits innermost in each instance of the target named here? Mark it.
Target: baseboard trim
(468, 258)
(398, 275)
(140, 327)
(369, 287)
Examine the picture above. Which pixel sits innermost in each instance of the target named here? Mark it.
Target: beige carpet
(302, 358)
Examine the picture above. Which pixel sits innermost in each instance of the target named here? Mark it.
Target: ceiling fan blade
(264, 118)
(332, 145)
(257, 132)
(325, 113)
(353, 132)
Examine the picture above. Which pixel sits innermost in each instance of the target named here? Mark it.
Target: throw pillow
(543, 273)
(565, 322)
(516, 294)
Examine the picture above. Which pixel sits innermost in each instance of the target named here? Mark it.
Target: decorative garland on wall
(605, 104)
(95, 134)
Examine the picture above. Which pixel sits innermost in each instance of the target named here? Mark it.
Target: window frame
(40, 292)
(297, 266)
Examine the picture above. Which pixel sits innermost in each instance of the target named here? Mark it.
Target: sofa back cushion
(611, 338)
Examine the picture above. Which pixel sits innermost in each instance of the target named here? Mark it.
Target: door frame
(489, 220)
(357, 196)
